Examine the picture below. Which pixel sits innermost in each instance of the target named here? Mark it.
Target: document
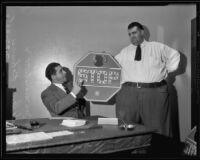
(28, 137)
(112, 121)
(73, 123)
(59, 133)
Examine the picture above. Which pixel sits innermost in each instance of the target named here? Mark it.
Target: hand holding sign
(77, 87)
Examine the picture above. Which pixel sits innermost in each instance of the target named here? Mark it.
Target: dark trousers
(147, 106)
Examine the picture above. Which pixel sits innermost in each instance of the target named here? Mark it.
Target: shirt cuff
(73, 94)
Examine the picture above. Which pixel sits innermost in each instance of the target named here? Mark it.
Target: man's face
(135, 35)
(60, 75)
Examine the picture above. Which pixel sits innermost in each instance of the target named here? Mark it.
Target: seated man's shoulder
(47, 90)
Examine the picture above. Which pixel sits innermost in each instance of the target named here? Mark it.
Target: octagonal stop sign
(101, 74)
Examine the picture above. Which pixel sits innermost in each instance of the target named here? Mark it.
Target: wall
(37, 36)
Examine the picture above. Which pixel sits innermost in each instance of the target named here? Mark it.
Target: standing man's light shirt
(157, 61)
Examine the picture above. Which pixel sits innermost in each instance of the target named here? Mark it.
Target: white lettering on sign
(97, 76)
(113, 76)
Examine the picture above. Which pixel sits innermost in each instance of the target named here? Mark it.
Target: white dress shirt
(157, 61)
(61, 87)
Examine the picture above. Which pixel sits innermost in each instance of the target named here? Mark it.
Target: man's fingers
(80, 83)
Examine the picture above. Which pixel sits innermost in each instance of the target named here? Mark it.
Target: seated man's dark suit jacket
(58, 102)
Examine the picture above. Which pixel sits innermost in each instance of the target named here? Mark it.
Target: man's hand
(77, 87)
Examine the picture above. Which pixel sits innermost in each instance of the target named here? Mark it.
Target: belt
(145, 85)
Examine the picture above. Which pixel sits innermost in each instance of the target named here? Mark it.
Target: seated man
(57, 101)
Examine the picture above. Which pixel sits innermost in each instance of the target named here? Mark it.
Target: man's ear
(53, 77)
(142, 32)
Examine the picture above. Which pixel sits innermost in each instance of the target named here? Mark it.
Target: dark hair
(51, 70)
(133, 24)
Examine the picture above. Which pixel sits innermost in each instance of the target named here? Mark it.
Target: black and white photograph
(100, 80)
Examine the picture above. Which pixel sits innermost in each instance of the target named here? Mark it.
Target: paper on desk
(73, 123)
(28, 137)
(61, 118)
(113, 121)
(59, 133)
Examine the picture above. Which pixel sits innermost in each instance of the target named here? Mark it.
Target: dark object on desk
(34, 124)
(29, 125)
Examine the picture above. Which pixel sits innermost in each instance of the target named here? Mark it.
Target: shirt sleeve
(118, 57)
(73, 94)
(172, 57)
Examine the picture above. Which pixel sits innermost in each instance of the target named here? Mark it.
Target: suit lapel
(57, 91)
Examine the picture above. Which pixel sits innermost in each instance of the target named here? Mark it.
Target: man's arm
(172, 58)
(118, 57)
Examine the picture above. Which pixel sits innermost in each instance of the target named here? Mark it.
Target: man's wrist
(73, 94)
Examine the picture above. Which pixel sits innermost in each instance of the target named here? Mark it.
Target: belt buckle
(138, 86)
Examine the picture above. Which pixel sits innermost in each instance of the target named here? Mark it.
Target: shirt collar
(142, 44)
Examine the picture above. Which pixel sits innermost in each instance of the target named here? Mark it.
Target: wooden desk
(108, 139)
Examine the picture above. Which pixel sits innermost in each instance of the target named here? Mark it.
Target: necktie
(66, 88)
(138, 53)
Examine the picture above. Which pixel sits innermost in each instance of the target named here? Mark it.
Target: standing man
(144, 96)
(57, 101)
